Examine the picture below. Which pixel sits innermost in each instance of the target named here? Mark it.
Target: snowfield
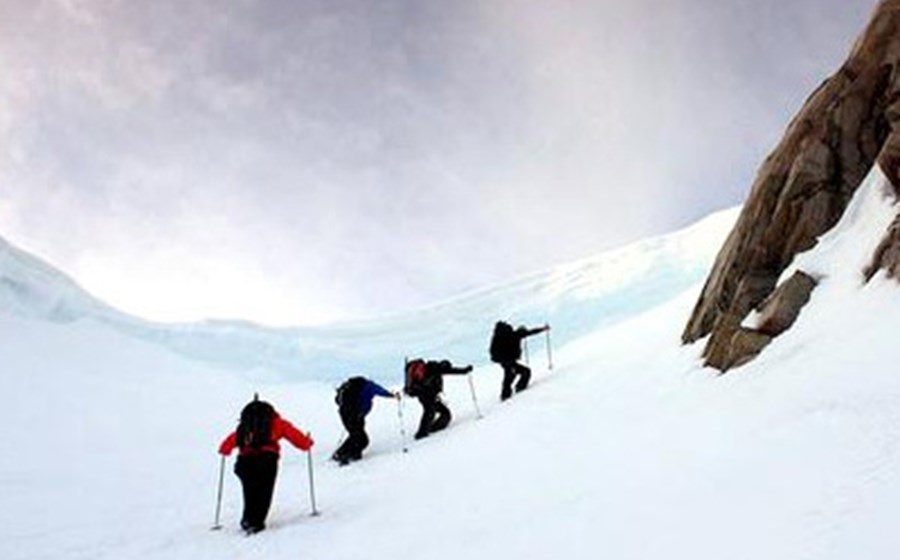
(627, 449)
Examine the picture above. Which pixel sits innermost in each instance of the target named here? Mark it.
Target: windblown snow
(627, 449)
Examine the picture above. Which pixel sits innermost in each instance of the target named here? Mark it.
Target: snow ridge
(585, 295)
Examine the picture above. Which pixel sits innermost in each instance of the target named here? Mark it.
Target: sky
(300, 162)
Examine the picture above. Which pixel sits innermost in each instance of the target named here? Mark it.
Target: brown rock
(889, 160)
(746, 344)
(718, 349)
(804, 186)
(782, 308)
(732, 345)
(887, 255)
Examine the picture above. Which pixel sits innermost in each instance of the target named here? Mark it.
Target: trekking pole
(312, 484)
(549, 350)
(216, 526)
(400, 403)
(402, 424)
(474, 397)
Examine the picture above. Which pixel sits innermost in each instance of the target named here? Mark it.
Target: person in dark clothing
(257, 474)
(424, 380)
(354, 399)
(506, 350)
(257, 438)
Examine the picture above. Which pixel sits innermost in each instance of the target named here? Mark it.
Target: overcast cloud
(297, 161)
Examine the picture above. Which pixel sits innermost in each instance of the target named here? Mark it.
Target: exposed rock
(732, 345)
(746, 344)
(782, 308)
(889, 159)
(804, 186)
(887, 255)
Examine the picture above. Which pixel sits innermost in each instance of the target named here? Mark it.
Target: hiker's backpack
(254, 430)
(504, 344)
(349, 393)
(415, 378)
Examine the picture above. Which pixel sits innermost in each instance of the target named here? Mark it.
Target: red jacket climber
(281, 428)
(257, 436)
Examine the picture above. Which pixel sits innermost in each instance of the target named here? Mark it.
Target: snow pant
(511, 370)
(257, 473)
(435, 415)
(357, 439)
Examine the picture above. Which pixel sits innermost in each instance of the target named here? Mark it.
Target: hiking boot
(253, 529)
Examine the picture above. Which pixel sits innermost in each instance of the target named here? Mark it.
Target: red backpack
(415, 377)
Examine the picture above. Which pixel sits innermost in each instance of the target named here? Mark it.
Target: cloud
(361, 157)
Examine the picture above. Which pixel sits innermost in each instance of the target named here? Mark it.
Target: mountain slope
(30, 287)
(628, 449)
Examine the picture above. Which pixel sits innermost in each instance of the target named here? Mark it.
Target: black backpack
(348, 394)
(504, 344)
(254, 430)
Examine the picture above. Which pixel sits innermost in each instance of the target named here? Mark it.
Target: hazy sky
(299, 161)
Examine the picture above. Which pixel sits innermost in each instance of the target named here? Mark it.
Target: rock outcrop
(782, 308)
(848, 124)
(732, 345)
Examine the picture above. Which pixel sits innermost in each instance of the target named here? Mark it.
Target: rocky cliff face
(848, 124)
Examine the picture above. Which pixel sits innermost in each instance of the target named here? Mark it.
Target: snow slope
(627, 450)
